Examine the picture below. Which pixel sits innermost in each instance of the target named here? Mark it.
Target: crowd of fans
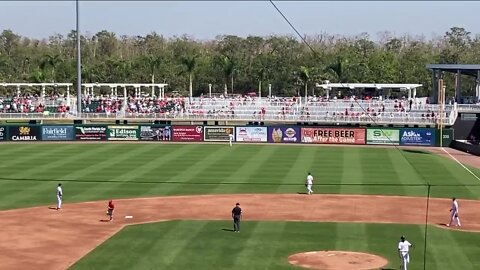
(230, 107)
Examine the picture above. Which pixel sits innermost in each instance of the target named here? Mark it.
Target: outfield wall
(250, 134)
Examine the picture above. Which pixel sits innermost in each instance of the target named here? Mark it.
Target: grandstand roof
(369, 85)
(160, 85)
(35, 84)
(471, 70)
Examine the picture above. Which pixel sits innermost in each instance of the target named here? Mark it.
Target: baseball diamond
(365, 198)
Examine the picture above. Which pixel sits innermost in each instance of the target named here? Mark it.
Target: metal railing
(237, 117)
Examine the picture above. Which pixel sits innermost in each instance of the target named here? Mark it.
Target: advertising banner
(251, 134)
(24, 133)
(333, 135)
(187, 133)
(383, 136)
(284, 134)
(155, 133)
(417, 136)
(3, 133)
(91, 133)
(217, 134)
(57, 133)
(123, 133)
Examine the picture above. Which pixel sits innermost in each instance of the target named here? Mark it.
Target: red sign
(187, 133)
(333, 135)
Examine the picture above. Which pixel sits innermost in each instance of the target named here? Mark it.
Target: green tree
(190, 63)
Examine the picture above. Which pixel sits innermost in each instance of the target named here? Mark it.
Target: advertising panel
(123, 133)
(57, 133)
(333, 135)
(284, 134)
(251, 134)
(91, 133)
(3, 133)
(417, 136)
(24, 133)
(187, 133)
(217, 134)
(383, 136)
(155, 133)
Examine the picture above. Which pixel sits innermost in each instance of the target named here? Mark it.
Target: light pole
(79, 62)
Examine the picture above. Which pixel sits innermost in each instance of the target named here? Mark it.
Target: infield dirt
(42, 238)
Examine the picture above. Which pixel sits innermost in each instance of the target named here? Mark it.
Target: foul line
(468, 170)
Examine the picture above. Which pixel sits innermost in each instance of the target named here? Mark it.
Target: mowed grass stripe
(252, 245)
(107, 163)
(9, 150)
(255, 162)
(28, 159)
(353, 237)
(352, 172)
(439, 251)
(148, 171)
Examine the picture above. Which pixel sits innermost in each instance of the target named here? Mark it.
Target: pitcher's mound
(337, 260)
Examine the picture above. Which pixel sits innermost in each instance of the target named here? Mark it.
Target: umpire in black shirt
(236, 215)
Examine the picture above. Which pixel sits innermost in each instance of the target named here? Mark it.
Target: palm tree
(261, 74)
(51, 61)
(190, 63)
(304, 75)
(338, 70)
(228, 67)
(153, 62)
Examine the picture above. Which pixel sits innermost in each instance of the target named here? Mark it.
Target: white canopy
(369, 85)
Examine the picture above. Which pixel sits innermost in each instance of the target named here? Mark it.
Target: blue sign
(57, 133)
(284, 134)
(417, 136)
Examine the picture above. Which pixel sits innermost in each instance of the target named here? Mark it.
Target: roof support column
(125, 98)
(43, 94)
(414, 92)
(409, 93)
(435, 76)
(458, 88)
(18, 90)
(68, 95)
(477, 88)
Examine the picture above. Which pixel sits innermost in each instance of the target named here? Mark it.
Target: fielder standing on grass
(454, 214)
(236, 215)
(309, 184)
(230, 139)
(403, 249)
(59, 197)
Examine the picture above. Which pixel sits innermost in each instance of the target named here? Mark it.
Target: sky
(205, 20)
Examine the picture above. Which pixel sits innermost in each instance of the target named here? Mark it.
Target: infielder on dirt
(59, 197)
(403, 249)
(454, 214)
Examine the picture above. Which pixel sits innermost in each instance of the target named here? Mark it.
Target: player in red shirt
(110, 209)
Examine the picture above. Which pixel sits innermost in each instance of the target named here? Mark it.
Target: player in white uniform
(403, 249)
(230, 139)
(454, 214)
(59, 196)
(309, 184)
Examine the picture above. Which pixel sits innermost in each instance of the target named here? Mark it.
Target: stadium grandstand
(149, 101)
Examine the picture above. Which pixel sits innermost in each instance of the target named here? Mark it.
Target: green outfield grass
(267, 245)
(30, 172)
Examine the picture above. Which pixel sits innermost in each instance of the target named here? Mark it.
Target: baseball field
(180, 198)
